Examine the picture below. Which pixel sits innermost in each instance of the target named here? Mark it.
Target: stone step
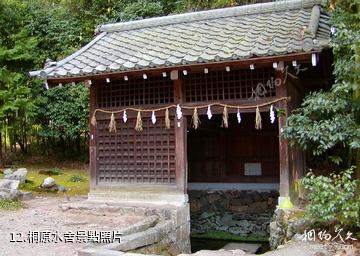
(158, 195)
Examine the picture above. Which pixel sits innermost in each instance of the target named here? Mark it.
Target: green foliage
(346, 44)
(324, 121)
(141, 9)
(195, 5)
(17, 104)
(31, 32)
(77, 178)
(11, 205)
(58, 31)
(64, 112)
(333, 199)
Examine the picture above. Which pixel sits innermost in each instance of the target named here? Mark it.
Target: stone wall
(246, 213)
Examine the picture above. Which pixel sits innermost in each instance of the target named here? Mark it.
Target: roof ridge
(209, 14)
(314, 20)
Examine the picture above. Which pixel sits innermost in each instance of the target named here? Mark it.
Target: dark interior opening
(239, 153)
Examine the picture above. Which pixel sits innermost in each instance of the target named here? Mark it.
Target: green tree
(17, 106)
(64, 115)
(58, 31)
(327, 124)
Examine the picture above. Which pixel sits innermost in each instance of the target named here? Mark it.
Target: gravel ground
(42, 214)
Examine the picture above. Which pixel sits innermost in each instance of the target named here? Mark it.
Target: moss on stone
(296, 214)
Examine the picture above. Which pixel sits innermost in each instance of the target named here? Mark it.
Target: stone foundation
(243, 213)
(286, 224)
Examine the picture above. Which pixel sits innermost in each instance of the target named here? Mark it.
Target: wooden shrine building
(194, 98)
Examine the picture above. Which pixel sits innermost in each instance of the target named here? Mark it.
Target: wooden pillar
(281, 91)
(296, 155)
(180, 141)
(92, 143)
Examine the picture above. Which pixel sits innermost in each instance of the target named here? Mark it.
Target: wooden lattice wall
(135, 92)
(240, 84)
(129, 156)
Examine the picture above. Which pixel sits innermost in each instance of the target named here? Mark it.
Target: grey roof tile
(88, 69)
(114, 66)
(101, 68)
(68, 66)
(143, 63)
(129, 64)
(74, 71)
(61, 72)
(174, 60)
(190, 58)
(216, 35)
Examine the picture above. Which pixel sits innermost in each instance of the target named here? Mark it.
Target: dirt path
(43, 214)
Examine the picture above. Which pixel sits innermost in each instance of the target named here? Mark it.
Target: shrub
(77, 178)
(11, 205)
(51, 172)
(333, 199)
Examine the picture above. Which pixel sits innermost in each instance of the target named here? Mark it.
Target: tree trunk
(24, 137)
(78, 143)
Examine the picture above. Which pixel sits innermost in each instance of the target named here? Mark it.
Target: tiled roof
(266, 29)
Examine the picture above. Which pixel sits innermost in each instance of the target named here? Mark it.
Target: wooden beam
(93, 138)
(197, 67)
(281, 91)
(180, 141)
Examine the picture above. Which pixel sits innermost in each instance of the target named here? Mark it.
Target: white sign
(252, 169)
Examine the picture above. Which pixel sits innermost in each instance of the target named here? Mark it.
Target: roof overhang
(266, 61)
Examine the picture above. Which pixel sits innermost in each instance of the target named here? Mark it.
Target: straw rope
(195, 117)
(190, 107)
